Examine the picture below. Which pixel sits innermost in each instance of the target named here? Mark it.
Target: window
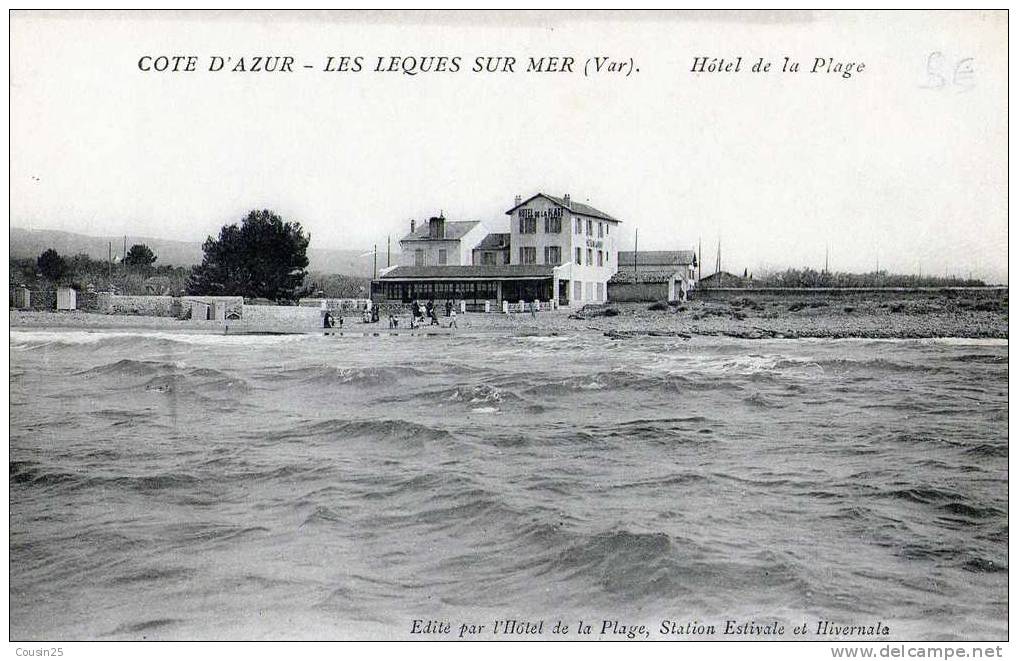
(590, 228)
(528, 225)
(418, 257)
(590, 256)
(528, 255)
(487, 258)
(579, 256)
(600, 258)
(552, 255)
(577, 290)
(579, 226)
(443, 256)
(600, 291)
(600, 230)
(607, 227)
(553, 225)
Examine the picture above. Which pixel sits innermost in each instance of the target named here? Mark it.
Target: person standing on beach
(452, 322)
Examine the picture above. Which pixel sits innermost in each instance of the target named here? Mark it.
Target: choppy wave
(326, 376)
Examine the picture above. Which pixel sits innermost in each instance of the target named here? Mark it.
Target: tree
(51, 265)
(264, 257)
(140, 255)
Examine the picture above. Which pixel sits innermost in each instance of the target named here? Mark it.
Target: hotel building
(556, 251)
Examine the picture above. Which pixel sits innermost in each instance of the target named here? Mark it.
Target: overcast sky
(878, 167)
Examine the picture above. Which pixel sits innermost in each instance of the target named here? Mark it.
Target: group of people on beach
(329, 320)
(419, 313)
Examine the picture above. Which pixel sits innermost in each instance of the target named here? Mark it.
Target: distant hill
(31, 243)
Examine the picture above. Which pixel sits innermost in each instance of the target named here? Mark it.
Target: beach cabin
(67, 298)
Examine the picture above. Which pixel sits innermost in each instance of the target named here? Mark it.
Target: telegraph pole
(636, 252)
(388, 252)
(374, 268)
(699, 258)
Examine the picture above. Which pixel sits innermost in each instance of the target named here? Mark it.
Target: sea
(181, 486)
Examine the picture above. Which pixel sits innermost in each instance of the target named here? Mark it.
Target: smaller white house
(441, 242)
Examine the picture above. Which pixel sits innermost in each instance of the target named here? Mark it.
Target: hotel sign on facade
(551, 213)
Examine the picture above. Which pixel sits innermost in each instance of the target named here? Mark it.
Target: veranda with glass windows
(474, 292)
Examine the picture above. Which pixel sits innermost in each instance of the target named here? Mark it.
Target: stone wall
(285, 317)
(150, 306)
(847, 293)
(158, 306)
(88, 301)
(43, 300)
(635, 292)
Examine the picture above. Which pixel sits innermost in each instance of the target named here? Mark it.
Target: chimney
(565, 198)
(436, 227)
(518, 201)
(413, 225)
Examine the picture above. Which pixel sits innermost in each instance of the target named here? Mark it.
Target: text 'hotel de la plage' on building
(556, 251)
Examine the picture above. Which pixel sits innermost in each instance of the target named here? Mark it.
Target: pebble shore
(744, 318)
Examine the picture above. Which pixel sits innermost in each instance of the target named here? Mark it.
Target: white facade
(449, 243)
(544, 231)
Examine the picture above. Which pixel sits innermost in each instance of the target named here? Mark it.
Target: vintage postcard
(509, 326)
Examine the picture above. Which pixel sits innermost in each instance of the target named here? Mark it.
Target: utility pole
(388, 252)
(699, 259)
(636, 251)
(374, 268)
(109, 263)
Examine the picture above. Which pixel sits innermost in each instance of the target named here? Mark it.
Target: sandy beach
(752, 317)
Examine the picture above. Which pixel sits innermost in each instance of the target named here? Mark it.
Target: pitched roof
(480, 271)
(454, 230)
(575, 207)
(656, 275)
(721, 276)
(494, 241)
(657, 258)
